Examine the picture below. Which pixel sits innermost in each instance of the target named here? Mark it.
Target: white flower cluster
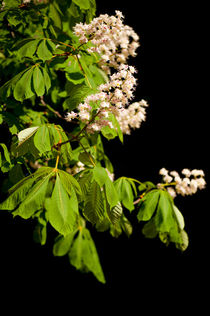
(113, 40)
(132, 116)
(187, 185)
(113, 97)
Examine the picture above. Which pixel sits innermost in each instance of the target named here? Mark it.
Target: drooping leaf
(179, 217)
(40, 231)
(126, 225)
(63, 244)
(184, 241)
(83, 255)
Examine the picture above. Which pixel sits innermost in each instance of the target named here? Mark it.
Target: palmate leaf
(39, 140)
(37, 192)
(34, 80)
(164, 219)
(33, 47)
(35, 197)
(19, 192)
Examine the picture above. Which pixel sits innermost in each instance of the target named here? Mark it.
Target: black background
(140, 273)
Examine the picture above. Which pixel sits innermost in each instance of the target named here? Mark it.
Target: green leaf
(126, 225)
(179, 217)
(148, 205)
(84, 181)
(42, 139)
(23, 88)
(25, 144)
(61, 211)
(44, 50)
(83, 255)
(66, 151)
(55, 15)
(73, 72)
(149, 230)
(86, 158)
(6, 153)
(19, 191)
(25, 134)
(184, 241)
(70, 183)
(6, 89)
(40, 231)
(63, 244)
(115, 213)
(47, 80)
(108, 132)
(28, 48)
(111, 193)
(54, 134)
(164, 219)
(38, 81)
(35, 198)
(100, 175)
(94, 204)
(83, 4)
(25, 148)
(125, 193)
(5, 162)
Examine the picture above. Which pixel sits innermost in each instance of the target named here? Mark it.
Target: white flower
(172, 192)
(167, 178)
(70, 116)
(163, 172)
(186, 172)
